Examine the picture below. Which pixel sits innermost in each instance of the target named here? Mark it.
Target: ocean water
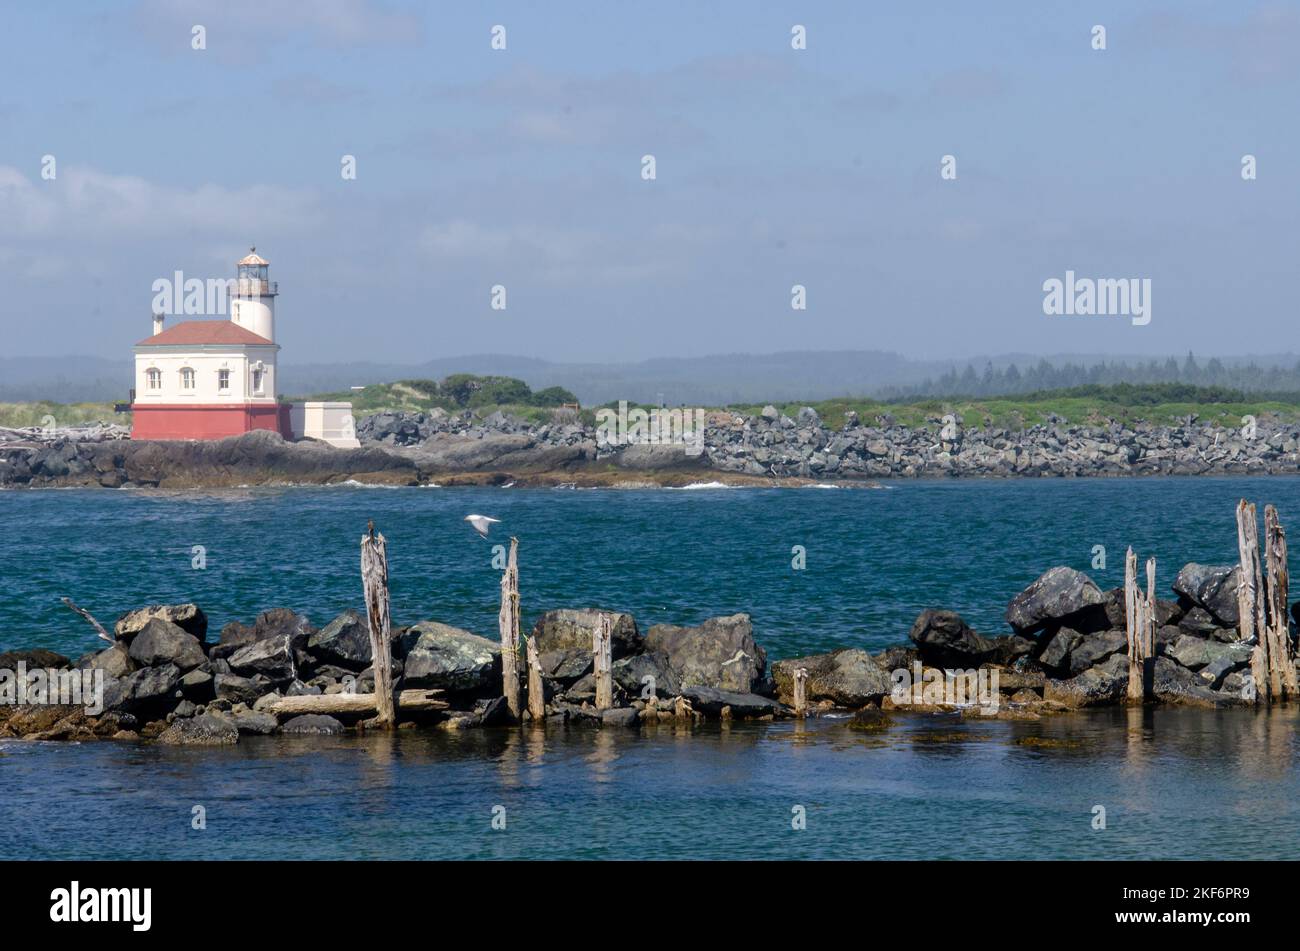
(1173, 783)
(874, 557)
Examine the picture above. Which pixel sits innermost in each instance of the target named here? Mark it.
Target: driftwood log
(415, 701)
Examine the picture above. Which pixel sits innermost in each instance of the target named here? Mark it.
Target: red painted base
(189, 421)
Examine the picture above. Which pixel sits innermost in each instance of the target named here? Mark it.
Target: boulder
(1057, 652)
(898, 657)
(944, 639)
(1201, 623)
(574, 629)
(344, 641)
(253, 723)
(114, 661)
(1172, 683)
(197, 685)
(148, 689)
(1091, 649)
(237, 689)
(1094, 687)
(1167, 612)
(275, 624)
(208, 729)
(1213, 588)
(1059, 593)
(847, 677)
(273, 657)
(446, 657)
(620, 716)
(37, 657)
(710, 701)
(1196, 652)
(1223, 666)
(871, 719)
(630, 673)
(312, 723)
(582, 690)
(493, 711)
(566, 666)
(188, 617)
(719, 653)
(162, 642)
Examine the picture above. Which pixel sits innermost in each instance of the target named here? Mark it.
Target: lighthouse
(252, 296)
(213, 378)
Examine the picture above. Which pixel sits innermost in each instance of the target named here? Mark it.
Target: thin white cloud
(245, 30)
(91, 204)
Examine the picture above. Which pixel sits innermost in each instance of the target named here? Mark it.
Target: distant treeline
(457, 392)
(1212, 376)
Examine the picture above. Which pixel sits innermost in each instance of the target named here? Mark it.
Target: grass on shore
(23, 415)
(1015, 412)
(1159, 404)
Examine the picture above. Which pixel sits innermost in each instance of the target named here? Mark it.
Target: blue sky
(522, 167)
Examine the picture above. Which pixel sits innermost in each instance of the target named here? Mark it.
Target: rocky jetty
(167, 680)
(771, 444)
(256, 458)
(420, 448)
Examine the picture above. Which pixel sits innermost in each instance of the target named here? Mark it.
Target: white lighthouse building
(213, 378)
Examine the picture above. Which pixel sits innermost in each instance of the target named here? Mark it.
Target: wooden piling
(801, 691)
(1250, 597)
(509, 624)
(1149, 631)
(374, 584)
(1134, 627)
(1282, 674)
(601, 663)
(536, 688)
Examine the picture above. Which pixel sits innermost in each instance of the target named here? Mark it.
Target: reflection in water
(1175, 784)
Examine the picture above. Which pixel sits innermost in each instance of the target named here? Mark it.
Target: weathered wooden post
(509, 623)
(601, 663)
(1282, 675)
(536, 688)
(1134, 625)
(1250, 597)
(800, 691)
(1149, 631)
(374, 584)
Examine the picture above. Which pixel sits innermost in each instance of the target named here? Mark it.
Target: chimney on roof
(157, 324)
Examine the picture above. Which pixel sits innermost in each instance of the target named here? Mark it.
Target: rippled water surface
(1175, 783)
(875, 558)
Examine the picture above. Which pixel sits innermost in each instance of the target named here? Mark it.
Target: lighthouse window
(223, 380)
(187, 379)
(257, 381)
(154, 377)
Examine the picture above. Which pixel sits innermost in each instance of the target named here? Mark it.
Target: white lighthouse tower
(252, 296)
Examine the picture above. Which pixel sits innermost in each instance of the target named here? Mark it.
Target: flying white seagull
(481, 523)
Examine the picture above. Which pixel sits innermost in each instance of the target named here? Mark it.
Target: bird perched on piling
(481, 523)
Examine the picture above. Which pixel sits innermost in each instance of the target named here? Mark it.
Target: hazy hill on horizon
(712, 380)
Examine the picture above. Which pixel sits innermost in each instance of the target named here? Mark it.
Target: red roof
(192, 332)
